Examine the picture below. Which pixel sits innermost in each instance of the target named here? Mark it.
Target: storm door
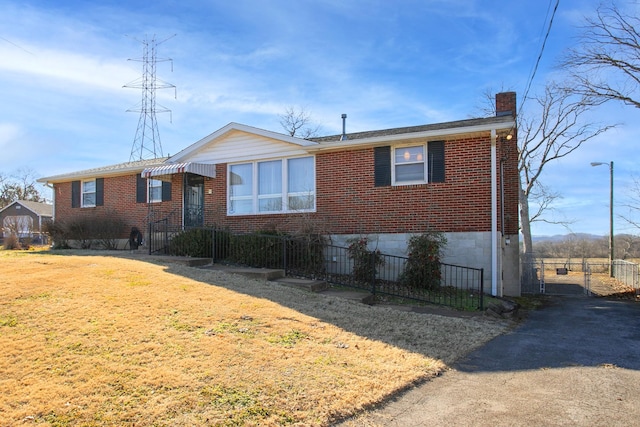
(193, 200)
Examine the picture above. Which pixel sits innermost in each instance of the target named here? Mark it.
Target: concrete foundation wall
(466, 249)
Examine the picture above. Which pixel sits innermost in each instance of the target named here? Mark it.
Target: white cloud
(8, 133)
(70, 68)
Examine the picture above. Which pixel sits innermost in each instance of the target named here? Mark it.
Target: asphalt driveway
(573, 363)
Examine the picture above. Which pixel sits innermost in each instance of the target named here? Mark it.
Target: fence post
(213, 245)
(285, 240)
(481, 289)
(149, 238)
(372, 258)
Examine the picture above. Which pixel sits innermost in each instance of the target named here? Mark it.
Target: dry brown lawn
(97, 339)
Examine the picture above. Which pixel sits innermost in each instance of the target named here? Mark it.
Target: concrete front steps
(310, 285)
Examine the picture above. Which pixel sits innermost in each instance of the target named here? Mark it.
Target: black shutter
(141, 189)
(99, 191)
(166, 191)
(382, 166)
(435, 151)
(75, 194)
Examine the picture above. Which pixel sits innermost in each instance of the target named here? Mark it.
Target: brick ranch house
(459, 177)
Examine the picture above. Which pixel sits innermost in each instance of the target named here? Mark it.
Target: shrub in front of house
(261, 249)
(365, 262)
(58, 232)
(423, 268)
(272, 249)
(195, 242)
(11, 242)
(107, 230)
(305, 254)
(102, 232)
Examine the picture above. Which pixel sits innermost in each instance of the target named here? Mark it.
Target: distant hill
(563, 237)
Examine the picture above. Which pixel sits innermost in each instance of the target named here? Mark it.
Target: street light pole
(611, 243)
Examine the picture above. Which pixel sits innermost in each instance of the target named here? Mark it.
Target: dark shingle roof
(415, 129)
(39, 208)
(120, 168)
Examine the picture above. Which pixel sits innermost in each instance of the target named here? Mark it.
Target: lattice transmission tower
(146, 144)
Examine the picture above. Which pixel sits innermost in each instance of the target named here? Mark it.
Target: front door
(193, 200)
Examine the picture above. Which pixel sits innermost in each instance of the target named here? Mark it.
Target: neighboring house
(460, 178)
(24, 218)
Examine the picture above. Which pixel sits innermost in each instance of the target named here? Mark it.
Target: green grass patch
(8, 321)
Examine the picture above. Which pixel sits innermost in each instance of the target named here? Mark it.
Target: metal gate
(556, 278)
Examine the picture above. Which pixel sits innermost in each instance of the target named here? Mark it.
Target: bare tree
(543, 198)
(297, 122)
(553, 132)
(21, 185)
(633, 204)
(605, 64)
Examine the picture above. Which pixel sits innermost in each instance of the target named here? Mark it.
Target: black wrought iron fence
(385, 275)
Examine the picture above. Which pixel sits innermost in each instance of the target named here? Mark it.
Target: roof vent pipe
(344, 123)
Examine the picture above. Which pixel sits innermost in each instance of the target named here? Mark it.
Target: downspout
(53, 209)
(494, 215)
(53, 199)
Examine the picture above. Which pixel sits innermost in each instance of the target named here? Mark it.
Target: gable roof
(231, 127)
(292, 144)
(38, 208)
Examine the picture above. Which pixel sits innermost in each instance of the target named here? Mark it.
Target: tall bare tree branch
(605, 65)
(550, 132)
(297, 122)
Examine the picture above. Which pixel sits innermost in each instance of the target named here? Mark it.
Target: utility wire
(535, 68)
(18, 46)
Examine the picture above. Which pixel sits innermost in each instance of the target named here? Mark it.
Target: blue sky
(386, 64)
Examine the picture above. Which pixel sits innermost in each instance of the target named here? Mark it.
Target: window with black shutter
(141, 189)
(435, 153)
(99, 191)
(75, 194)
(410, 164)
(382, 166)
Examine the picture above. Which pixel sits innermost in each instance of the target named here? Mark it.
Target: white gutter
(386, 139)
(494, 215)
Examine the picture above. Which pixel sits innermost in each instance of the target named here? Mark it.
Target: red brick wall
(347, 200)
(461, 203)
(508, 155)
(120, 200)
(349, 203)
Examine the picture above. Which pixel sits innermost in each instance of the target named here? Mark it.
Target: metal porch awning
(174, 168)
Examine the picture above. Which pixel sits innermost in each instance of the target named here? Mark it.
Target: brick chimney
(506, 104)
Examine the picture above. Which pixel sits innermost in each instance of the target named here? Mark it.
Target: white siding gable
(238, 146)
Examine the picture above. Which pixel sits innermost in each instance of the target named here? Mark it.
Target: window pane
(89, 199)
(272, 204)
(410, 154)
(241, 206)
(155, 194)
(411, 172)
(270, 177)
(155, 190)
(300, 202)
(89, 187)
(241, 180)
(301, 175)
